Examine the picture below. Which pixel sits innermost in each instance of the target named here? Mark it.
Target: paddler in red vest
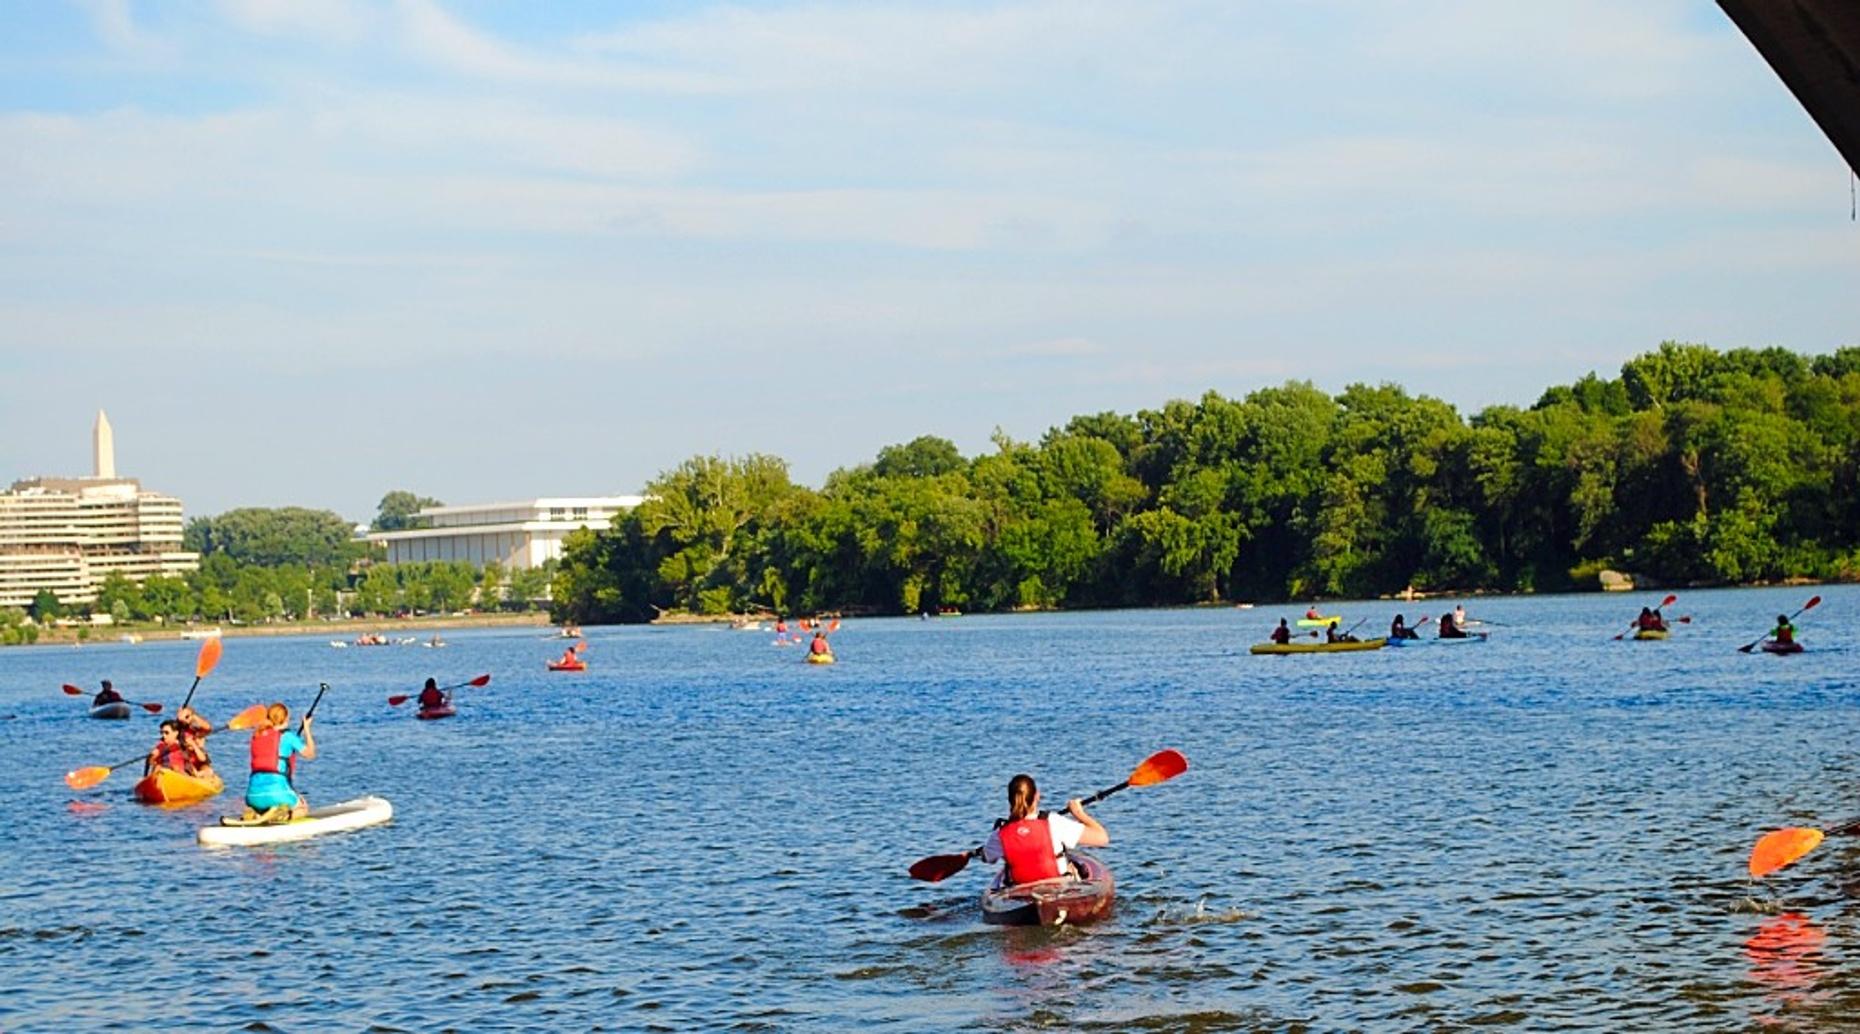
(431, 699)
(569, 658)
(1283, 634)
(106, 695)
(269, 791)
(168, 753)
(194, 730)
(819, 646)
(1034, 845)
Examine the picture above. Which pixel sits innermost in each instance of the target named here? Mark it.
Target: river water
(702, 832)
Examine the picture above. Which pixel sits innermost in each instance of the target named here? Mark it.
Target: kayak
(166, 786)
(442, 711)
(1409, 642)
(1053, 902)
(355, 814)
(1772, 646)
(115, 709)
(1317, 622)
(820, 658)
(1471, 637)
(1276, 648)
(1650, 633)
(568, 665)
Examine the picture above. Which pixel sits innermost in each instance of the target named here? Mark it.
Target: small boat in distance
(200, 633)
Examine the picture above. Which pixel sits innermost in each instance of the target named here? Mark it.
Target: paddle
(1159, 767)
(1632, 625)
(71, 690)
(85, 778)
(204, 662)
(401, 698)
(1813, 602)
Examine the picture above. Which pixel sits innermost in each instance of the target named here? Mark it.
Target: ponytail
(1021, 794)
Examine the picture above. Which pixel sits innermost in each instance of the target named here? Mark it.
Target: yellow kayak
(166, 786)
(820, 658)
(1650, 633)
(1318, 622)
(1275, 648)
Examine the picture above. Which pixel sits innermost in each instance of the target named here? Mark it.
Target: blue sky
(305, 253)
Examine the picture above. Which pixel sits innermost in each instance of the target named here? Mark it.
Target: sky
(305, 253)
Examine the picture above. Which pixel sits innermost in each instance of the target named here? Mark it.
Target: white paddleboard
(334, 818)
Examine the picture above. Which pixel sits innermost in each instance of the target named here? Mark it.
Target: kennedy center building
(67, 534)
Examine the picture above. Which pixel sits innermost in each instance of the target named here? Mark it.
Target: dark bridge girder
(1814, 46)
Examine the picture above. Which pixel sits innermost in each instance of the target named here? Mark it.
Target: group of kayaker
(1651, 620)
(182, 747)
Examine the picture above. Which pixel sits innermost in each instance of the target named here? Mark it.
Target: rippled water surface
(1549, 829)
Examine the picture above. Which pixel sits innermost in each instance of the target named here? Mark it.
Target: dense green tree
(272, 537)
(397, 509)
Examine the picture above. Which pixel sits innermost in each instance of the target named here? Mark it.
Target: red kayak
(568, 665)
(1055, 902)
(1772, 646)
(442, 711)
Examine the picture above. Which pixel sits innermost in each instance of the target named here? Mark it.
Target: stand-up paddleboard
(334, 818)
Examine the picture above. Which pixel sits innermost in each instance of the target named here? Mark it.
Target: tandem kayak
(166, 786)
(335, 818)
(1053, 902)
(114, 709)
(428, 714)
(820, 658)
(1651, 633)
(1317, 622)
(1277, 648)
(1772, 646)
(568, 666)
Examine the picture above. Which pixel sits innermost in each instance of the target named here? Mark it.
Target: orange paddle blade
(208, 658)
(1159, 767)
(73, 691)
(1783, 847)
(247, 718)
(85, 778)
(580, 645)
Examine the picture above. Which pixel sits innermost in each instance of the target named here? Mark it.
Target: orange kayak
(166, 786)
(566, 666)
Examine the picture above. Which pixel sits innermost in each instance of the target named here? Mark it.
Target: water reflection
(1786, 956)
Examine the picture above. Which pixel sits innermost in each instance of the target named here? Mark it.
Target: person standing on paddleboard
(1033, 844)
(270, 793)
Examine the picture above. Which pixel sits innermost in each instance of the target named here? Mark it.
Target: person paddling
(819, 646)
(1283, 634)
(1398, 629)
(569, 659)
(194, 730)
(1311, 613)
(168, 752)
(1032, 844)
(431, 698)
(1450, 625)
(1651, 620)
(270, 793)
(1784, 632)
(1331, 635)
(106, 695)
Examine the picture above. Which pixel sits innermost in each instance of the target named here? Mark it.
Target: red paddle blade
(1783, 847)
(939, 867)
(248, 718)
(1669, 601)
(151, 708)
(73, 691)
(209, 657)
(85, 778)
(396, 701)
(1159, 767)
(1813, 602)
(482, 680)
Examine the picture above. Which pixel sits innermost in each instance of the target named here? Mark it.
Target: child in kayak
(431, 699)
(269, 793)
(168, 753)
(1033, 844)
(1283, 634)
(106, 695)
(194, 730)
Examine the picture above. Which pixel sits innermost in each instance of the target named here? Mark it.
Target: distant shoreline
(100, 634)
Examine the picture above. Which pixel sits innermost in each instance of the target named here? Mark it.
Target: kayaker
(1034, 844)
(1459, 617)
(1651, 620)
(1784, 632)
(1331, 635)
(168, 752)
(431, 699)
(269, 792)
(106, 695)
(194, 730)
(1450, 626)
(1311, 613)
(819, 645)
(1283, 634)
(1398, 629)
(569, 658)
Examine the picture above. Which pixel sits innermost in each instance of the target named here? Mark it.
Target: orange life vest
(1027, 848)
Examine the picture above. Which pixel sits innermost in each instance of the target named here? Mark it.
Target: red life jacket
(819, 646)
(171, 755)
(265, 753)
(1027, 848)
(431, 700)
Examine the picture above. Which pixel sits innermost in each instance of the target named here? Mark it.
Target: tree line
(1693, 466)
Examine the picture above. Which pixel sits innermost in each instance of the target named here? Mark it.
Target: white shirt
(1065, 829)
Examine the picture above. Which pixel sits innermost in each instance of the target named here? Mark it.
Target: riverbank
(344, 628)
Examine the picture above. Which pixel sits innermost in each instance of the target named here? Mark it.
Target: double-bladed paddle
(1159, 767)
(204, 662)
(85, 778)
(1632, 625)
(75, 691)
(1813, 601)
(401, 698)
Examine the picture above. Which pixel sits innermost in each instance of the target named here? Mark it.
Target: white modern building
(516, 535)
(68, 534)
